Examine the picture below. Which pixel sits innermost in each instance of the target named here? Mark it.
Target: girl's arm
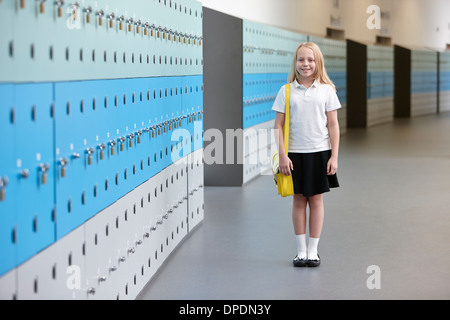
(285, 164)
(333, 129)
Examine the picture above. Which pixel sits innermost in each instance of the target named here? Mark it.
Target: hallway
(392, 210)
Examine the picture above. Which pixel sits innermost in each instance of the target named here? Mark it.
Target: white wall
(411, 23)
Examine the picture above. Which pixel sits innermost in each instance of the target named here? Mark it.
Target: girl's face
(306, 64)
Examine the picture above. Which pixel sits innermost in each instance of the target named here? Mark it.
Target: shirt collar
(314, 84)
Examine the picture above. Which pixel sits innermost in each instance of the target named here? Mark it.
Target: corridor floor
(392, 211)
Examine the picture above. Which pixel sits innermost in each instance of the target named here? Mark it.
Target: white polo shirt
(308, 119)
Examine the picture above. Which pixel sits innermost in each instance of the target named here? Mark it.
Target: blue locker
(8, 180)
(80, 117)
(35, 168)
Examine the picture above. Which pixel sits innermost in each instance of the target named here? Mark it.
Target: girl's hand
(332, 166)
(285, 166)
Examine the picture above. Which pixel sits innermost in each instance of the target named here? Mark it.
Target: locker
(8, 180)
(35, 168)
(55, 273)
(7, 42)
(8, 287)
(103, 254)
(78, 132)
(195, 207)
(99, 215)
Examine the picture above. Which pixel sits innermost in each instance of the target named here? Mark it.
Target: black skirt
(310, 173)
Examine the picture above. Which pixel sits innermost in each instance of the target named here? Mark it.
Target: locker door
(35, 167)
(6, 40)
(74, 136)
(57, 273)
(102, 256)
(195, 189)
(8, 180)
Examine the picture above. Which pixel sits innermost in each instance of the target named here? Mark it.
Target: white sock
(301, 245)
(312, 248)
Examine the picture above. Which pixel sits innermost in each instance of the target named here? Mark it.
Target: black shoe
(299, 262)
(313, 262)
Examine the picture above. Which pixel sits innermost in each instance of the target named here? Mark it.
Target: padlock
(121, 139)
(41, 6)
(112, 144)
(88, 11)
(152, 29)
(138, 26)
(90, 151)
(60, 3)
(139, 133)
(76, 8)
(158, 32)
(130, 23)
(3, 183)
(44, 168)
(100, 14)
(102, 148)
(131, 137)
(111, 20)
(146, 26)
(22, 4)
(63, 162)
(121, 19)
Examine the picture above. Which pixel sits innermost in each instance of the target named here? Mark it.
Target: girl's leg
(299, 214)
(299, 222)
(316, 215)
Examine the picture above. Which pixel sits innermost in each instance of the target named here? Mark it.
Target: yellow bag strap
(286, 119)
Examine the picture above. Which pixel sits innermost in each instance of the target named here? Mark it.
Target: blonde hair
(320, 74)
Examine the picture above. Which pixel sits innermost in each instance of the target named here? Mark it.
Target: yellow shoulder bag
(284, 183)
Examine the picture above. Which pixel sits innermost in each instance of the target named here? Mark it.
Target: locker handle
(113, 268)
(102, 279)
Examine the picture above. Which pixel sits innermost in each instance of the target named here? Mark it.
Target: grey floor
(392, 211)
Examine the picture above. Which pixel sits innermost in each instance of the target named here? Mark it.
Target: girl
(312, 157)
